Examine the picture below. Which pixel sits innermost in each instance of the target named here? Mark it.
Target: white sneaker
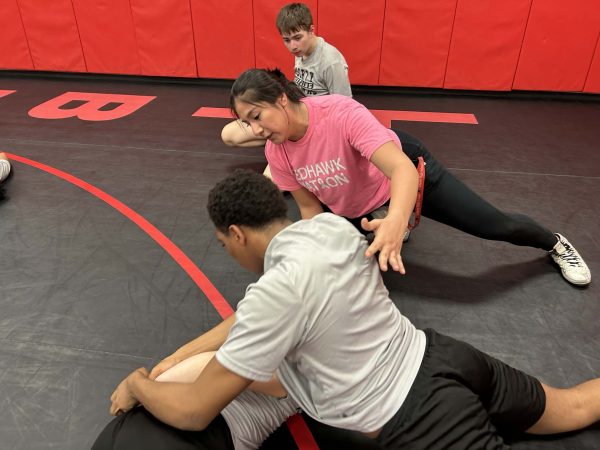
(572, 266)
(381, 213)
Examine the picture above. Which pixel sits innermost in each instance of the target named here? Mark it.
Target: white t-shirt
(320, 316)
(323, 72)
(4, 169)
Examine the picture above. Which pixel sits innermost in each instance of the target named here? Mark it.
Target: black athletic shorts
(463, 399)
(137, 429)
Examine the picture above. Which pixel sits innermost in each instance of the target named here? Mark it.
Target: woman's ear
(283, 100)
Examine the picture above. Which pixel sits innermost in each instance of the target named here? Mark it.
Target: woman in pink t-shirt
(330, 151)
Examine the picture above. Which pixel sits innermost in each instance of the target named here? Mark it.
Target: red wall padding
(164, 35)
(547, 45)
(52, 35)
(592, 83)
(223, 51)
(559, 45)
(416, 38)
(268, 45)
(107, 36)
(485, 45)
(13, 42)
(355, 28)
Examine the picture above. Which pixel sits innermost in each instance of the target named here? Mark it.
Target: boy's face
(300, 43)
(241, 253)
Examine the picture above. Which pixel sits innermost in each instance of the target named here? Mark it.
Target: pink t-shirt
(332, 158)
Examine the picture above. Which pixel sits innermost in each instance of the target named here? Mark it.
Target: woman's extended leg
(451, 202)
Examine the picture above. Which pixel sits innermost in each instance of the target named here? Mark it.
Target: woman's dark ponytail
(290, 88)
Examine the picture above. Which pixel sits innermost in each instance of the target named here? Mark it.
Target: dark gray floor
(86, 296)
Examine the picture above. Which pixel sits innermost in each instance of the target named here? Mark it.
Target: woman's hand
(122, 399)
(389, 233)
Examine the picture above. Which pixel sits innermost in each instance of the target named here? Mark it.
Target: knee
(228, 135)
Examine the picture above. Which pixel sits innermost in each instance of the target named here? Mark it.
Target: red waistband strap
(419, 202)
(301, 434)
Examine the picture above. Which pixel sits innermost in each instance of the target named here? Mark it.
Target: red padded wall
(558, 46)
(13, 42)
(164, 36)
(485, 45)
(268, 45)
(224, 37)
(107, 37)
(592, 83)
(416, 38)
(355, 28)
(52, 35)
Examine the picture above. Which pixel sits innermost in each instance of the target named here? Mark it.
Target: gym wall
(548, 45)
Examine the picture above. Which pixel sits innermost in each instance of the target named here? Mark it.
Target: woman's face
(266, 120)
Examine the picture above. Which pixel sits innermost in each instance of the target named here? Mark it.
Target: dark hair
(293, 18)
(245, 198)
(261, 85)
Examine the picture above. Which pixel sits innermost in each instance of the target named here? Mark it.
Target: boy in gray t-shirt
(321, 319)
(319, 68)
(323, 71)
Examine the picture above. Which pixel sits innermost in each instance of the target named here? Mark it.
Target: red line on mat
(4, 93)
(296, 424)
(383, 115)
(211, 292)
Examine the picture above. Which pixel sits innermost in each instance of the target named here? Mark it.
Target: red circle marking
(211, 292)
(296, 424)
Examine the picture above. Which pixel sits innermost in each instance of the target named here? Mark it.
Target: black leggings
(449, 201)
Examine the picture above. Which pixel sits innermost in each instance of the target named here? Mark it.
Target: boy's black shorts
(463, 399)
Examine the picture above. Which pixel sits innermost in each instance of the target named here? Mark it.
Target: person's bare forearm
(208, 342)
(404, 186)
(187, 406)
(176, 404)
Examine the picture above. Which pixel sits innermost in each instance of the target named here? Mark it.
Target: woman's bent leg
(238, 134)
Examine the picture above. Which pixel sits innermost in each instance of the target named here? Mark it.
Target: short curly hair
(245, 198)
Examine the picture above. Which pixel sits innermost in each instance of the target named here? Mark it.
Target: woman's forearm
(404, 186)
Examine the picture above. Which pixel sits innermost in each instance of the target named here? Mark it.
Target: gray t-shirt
(4, 169)
(320, 316)
(324, 71)
(252, 417)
